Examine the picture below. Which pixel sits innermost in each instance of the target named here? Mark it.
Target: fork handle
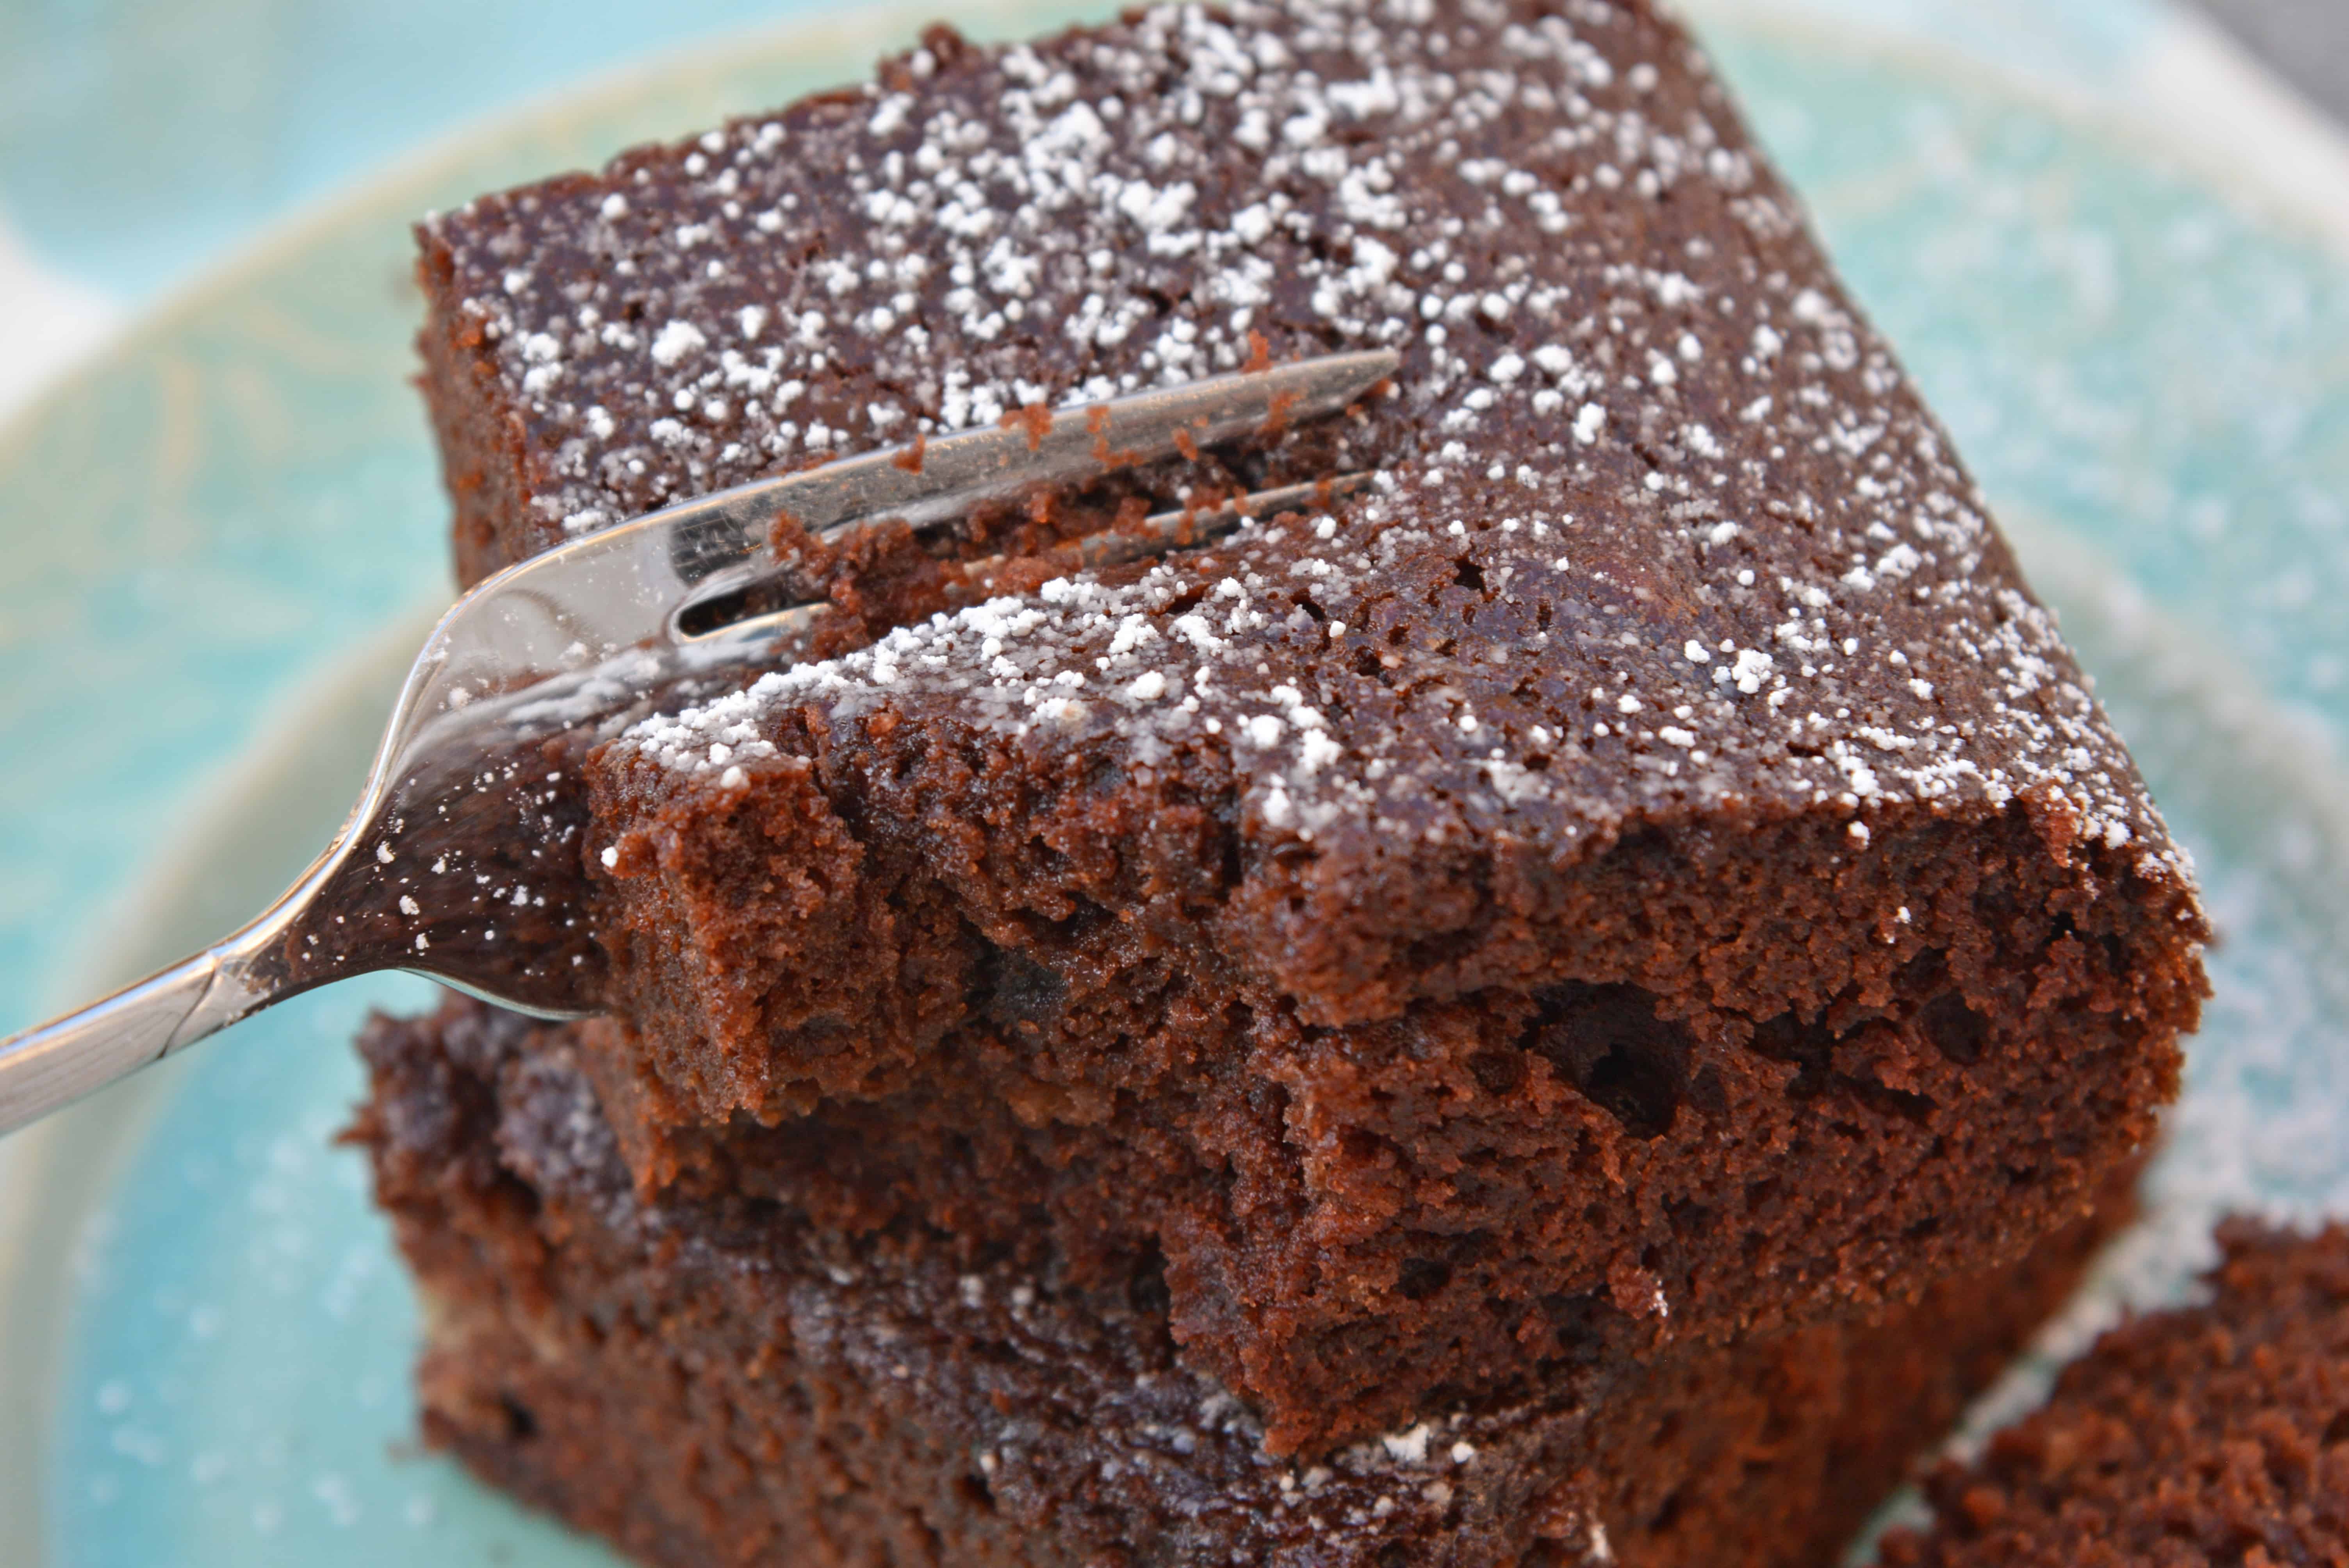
(54, 1063)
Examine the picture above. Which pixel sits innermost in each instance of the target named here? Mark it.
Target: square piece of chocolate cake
(1641, 871)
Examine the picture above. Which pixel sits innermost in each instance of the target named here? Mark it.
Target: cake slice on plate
(1641, 871)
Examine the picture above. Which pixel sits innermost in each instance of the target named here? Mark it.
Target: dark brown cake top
(2209, 1435)
(1659, 523)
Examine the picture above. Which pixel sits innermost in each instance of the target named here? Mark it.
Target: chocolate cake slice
(2217, 1433)
(714, 1381)
(1642, 871)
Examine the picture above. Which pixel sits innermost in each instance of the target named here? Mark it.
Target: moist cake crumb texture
(1643, 871)
(2209, 1434)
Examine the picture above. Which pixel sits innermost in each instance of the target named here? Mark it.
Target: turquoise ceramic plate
(221, 542)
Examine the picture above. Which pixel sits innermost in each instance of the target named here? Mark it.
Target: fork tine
(712, 543)
(1167, 530)
(1155, 535)
(1034, 446)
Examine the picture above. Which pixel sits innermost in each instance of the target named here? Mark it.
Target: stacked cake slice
(1575, 1001)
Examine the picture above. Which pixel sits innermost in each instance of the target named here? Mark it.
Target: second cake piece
(2211, 1433)
(1644, 870)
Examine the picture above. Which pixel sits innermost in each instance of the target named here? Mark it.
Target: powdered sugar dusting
(1654, 503)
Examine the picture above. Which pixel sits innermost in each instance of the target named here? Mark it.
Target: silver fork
(461, 859)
